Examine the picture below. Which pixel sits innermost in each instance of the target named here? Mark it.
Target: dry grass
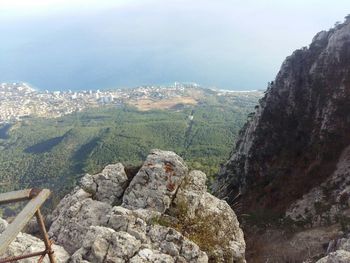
(148, 104)
(202, 230)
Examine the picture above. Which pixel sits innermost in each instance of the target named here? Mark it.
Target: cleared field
(149, 104)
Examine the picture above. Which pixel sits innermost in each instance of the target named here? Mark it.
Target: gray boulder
(73, 217)
(212, 221)
(338, 251)
(339, 256)
(103, 244)
(166, 215)
(107, 186)
(156, 183)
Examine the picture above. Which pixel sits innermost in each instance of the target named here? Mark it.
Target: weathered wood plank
(22, 219)
(15, 196)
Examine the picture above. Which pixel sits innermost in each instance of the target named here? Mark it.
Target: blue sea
(113, 49)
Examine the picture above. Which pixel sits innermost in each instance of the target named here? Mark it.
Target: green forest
(55, 153)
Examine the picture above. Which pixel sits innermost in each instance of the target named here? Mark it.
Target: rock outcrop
(156, 183)
(294, 140)
(162, 214)
(107, 186)
(328, 202)
(339, 256)
(289, 171)
(338, 252)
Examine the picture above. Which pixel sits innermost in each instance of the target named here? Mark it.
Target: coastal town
(19, 100)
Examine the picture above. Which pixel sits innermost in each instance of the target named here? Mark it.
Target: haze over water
(97, 44)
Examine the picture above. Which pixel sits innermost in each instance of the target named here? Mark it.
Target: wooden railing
(36, 198)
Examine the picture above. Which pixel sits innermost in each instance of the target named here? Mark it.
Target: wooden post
(15, 196)
(23, 217)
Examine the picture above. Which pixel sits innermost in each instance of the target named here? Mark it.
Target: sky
(100, 44)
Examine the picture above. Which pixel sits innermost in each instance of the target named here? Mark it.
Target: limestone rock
(338, 251)
(148, 255)
(107, 186)
(106, 245)
(146, 226)
(339, 256)
(344, 244)
(213, 222)
(162, 240)
(122, 219)
(73, 217)
(156, 183)
(173, 243)
(25, 244)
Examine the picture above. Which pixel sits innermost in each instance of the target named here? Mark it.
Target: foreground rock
(165, 215)
(213, 222)
(25, 244)
(339, 256)
(156, 183)
(338, 251)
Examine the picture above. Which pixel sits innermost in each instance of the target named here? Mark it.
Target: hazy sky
(91, 44)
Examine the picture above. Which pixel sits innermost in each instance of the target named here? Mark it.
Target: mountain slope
(54, 153)
(299, 130)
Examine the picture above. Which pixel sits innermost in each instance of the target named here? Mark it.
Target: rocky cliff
(300, 128)
(289, 171)
(160, 213)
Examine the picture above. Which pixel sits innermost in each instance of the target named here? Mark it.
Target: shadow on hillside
(44, 146)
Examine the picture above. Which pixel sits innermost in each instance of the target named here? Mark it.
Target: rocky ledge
(162, 213)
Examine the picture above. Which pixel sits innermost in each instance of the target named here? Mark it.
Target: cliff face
(294, 140)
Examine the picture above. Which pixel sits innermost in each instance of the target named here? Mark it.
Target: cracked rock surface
(25, 244)
(164, 214)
